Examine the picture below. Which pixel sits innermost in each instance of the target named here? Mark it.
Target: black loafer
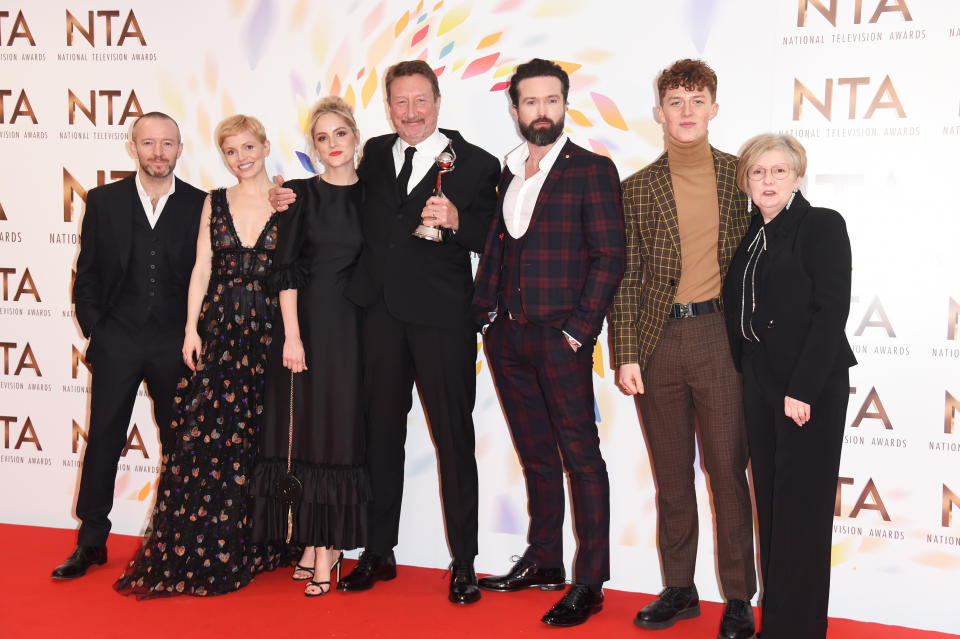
(737, 622)
(463, 583)
(526, 574)
(672, 605)
(575, 607)
(79, 560)
(370, 569)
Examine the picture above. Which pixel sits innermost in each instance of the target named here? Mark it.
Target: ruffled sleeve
(290, 270)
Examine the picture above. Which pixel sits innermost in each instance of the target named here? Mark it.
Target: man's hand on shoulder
(280, 197)
(629, 379)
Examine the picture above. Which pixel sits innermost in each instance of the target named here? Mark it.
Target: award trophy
(435, 233)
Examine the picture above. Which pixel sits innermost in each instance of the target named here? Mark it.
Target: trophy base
(429, 233)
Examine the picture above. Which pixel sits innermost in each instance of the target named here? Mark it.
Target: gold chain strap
(289, 456)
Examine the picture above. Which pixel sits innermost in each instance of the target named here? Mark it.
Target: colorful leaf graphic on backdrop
(458, 64)
(305, 161)
(320, 43)
(437, 6)
(553, 8)
(579, 117)
(489, 40)
(599, 148)
(439, 71)
(608, 111)
(446, 49)
(507, 5)
(144, 492)
(480, 65)
(598, 359)
(171, 97)
(419, 35)
(569, 67)
(454, 18)
(349, 97)
(506, 519)
(500, 86)
(335, 85)
(380, 47)
(203, 124)
(401, 24)
(371, 21)
(210, 74)
(258, 29)
(507, 67)
(421, 18)
(699, 18)
(369, 88)
(298, 15)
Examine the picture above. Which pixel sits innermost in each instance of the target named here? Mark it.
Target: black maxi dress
(319, 243)
(199, 541)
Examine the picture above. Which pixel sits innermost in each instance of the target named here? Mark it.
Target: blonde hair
(756, 146)
(237, 124)
(331, 104)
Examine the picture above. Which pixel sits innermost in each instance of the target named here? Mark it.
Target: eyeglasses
(779, 172)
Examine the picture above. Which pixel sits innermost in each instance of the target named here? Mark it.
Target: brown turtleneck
(698, 214)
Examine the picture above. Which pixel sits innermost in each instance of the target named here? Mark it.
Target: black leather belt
(693, 309)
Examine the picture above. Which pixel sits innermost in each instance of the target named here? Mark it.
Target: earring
(792, 195)
(749, 205)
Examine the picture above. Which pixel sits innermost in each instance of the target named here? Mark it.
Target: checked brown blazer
(647, 291)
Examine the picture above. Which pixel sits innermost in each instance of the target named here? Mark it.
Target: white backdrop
(869, 86)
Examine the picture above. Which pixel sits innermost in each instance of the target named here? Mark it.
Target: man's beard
(542, 136)
(146, 168)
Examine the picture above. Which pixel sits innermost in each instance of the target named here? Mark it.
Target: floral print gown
(199, 540)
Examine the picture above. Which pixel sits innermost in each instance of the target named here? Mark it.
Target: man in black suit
(417, 324)
(137, 249)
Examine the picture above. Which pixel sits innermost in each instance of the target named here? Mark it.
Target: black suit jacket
(803, 299)
(105, 245)
(422, 282)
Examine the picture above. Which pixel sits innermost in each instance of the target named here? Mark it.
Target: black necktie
(403, 178)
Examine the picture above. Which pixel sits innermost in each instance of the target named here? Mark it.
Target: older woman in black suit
(786, 299)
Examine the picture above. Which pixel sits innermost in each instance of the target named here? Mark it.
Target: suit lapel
(553, 178)
(662, 188)
(124, 224)
(725, 197)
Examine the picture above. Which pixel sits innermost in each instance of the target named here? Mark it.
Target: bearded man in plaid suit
(552, 263)
(685, 218)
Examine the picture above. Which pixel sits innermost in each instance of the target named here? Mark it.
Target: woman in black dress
(199, 541)
(317, 347)
(786, 298)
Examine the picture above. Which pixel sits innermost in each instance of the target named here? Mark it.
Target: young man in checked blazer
(552, 262)
(685, 218)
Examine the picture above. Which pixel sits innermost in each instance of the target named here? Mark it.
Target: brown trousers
(690, 382)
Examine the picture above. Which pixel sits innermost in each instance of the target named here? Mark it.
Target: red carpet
(413, 605)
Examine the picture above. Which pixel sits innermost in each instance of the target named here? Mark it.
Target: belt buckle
(686, 310)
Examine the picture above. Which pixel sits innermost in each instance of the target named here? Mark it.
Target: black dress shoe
(526, 574)
(79, 560)
(463, 583)
(370, 569)
(575, 607)
(737, 622)
(672, 605)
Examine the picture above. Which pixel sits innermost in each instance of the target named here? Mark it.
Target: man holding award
(415, 283)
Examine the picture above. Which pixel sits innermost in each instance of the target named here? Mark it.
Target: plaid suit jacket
(572, 253)
(648, 289)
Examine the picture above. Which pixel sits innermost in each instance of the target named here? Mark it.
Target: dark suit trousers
(690, 381)
(443, 361)
(547, 394)
(795, 483)
(123, 357)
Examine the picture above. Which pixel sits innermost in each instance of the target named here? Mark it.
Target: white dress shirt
(521, 196)
(153, 214)
(423, 159)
